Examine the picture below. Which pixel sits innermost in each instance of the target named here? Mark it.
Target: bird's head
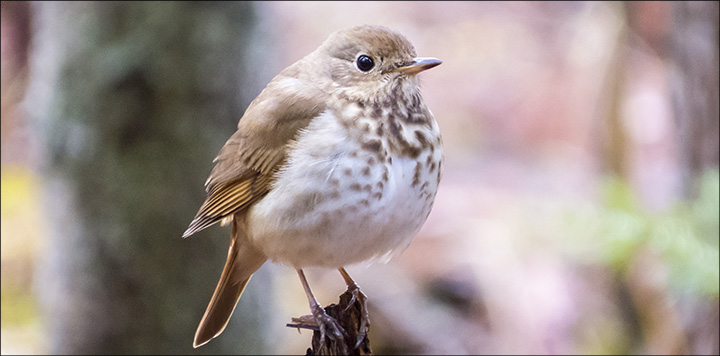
(366, 62)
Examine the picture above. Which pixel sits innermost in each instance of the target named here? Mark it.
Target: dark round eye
(365, 63)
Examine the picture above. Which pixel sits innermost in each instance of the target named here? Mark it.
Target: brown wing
(245, 167)
(229, 197)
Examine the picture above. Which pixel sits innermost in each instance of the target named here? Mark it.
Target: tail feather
(242, 261)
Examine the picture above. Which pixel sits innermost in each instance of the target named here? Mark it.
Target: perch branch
(349, 316)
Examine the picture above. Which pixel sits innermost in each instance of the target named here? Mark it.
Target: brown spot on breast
(379, 131)
(372, 145)
(347, 171)
(371, 161)
(355, 187)
(365, 202)
(325, 221)
(416, 176)
(421, 138)
(377, 196)
(377, 111)
(303, 202)
(366, 171)
(394, 126)
(367, 188)
(413, 152)
(307, 201)
(439, 171)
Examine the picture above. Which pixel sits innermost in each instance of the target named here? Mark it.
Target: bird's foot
(361, 298)
(328, 327)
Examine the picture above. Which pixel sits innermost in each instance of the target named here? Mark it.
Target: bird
(337, 161)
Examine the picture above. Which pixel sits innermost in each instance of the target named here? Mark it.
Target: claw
(328, 326)
(361, 298)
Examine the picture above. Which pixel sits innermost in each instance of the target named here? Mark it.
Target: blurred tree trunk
(694, 52)
(615, 145)
(13, 80)
(131, 102)
(695, 88)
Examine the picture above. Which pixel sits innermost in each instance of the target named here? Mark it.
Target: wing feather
(246, 165)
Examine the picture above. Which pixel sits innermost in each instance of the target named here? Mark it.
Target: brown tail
(243, 260)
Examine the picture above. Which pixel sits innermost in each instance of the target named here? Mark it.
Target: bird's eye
(364, 63)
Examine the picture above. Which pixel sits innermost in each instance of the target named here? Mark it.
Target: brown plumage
(352, 106)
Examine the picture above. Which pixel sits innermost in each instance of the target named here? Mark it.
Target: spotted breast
(358, 184)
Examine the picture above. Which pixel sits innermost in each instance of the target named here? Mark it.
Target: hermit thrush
(337, 161)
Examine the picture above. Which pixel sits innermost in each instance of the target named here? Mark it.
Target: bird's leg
(327, 324)
(357, 295)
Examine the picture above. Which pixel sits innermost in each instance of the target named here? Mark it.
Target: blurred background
(578, 211)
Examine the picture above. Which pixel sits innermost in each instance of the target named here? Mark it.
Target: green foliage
(684, 237)
(687, 239)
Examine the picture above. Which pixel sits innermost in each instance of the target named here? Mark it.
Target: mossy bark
(130, 103)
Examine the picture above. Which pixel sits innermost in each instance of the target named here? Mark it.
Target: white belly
(336, 204)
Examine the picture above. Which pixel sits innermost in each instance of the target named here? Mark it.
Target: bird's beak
(418, 65)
